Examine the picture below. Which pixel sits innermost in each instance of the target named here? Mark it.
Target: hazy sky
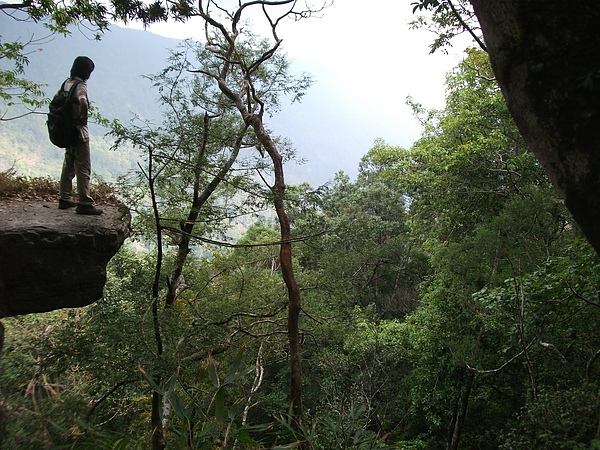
(366, 60)
(361, 40)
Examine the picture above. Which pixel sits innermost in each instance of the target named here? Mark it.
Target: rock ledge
(51, 258)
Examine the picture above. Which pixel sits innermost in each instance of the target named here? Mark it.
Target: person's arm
(82, 104)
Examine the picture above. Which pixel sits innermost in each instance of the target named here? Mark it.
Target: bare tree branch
(466, 27)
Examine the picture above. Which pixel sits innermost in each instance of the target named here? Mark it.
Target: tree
(365, 224)
(187, 160)
(237, 80)
(484, 211)
(544, 61)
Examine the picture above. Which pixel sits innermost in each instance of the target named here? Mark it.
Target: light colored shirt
(80, 107)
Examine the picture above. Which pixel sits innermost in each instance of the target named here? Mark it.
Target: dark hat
(82, 67)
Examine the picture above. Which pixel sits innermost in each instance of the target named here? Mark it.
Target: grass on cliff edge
(46, 189)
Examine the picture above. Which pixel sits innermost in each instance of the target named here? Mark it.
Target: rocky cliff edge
(52, 258)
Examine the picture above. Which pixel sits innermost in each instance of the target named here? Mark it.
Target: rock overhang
(51, 258)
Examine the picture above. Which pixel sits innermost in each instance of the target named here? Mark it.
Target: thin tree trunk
(175, 282)
(287, 270)
(461, 413)
(285, 249)
(158, 435)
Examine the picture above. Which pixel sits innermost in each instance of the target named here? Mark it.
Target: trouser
(77, 163)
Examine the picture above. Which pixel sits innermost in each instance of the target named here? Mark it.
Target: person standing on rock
(77, 156)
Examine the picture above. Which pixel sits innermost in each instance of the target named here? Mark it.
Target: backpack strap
(72, 88)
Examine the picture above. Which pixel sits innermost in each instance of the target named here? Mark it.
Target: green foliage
(483, 210)
(446, 19)
(365, 225)
(339, 429)
(445, 272)
(59, 16)
(12, 86)
(558, 419)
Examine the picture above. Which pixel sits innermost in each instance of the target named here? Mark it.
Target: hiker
(77, 155)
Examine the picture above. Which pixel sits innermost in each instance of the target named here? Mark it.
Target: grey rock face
(51, 258)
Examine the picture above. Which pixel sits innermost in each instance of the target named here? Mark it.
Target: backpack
(61, 129)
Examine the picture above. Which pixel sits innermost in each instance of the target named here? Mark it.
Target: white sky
(364, 52)
(360, 40)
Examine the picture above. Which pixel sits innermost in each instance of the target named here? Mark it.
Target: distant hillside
(116, 88)
(326, 129)
(122, 57)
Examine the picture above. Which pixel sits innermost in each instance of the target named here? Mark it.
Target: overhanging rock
(51, 258)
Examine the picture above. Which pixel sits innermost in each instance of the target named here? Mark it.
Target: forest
(445, 298)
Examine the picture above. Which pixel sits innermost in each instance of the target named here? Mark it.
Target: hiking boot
(66, 204)
(89, 210)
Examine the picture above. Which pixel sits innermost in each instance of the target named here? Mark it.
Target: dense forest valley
(448, 299)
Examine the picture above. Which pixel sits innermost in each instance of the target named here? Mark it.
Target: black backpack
(61, 128)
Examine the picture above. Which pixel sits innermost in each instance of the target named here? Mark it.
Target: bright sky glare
(364, 41)
(364, 53)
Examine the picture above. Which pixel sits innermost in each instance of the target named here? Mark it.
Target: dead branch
(242, 314)
(229, 245)
(557, 352)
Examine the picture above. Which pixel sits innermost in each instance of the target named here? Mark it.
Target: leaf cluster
(447, 19)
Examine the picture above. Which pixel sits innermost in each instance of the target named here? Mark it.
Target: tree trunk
(285, 250)
(461, 412)
(545, 57)
(158, 433)
(287, 270)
